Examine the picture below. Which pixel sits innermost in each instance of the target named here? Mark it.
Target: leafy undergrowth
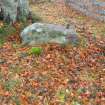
(5, 30)
(11, 32)
(60, 75)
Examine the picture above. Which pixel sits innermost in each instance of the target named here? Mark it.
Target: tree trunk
(92, 8)
(11, 9)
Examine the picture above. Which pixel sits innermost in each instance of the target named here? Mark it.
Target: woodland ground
(60, 75)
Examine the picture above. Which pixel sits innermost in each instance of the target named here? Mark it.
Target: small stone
(42, 90)
(23, 55)
(2, 61)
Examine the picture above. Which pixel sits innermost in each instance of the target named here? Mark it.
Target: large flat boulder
(42, 33)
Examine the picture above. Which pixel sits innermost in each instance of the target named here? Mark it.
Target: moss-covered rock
(42, 33)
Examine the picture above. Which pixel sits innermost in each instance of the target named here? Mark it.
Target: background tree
(14, 9)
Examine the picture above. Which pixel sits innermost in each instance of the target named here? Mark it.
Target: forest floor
(60, 75)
